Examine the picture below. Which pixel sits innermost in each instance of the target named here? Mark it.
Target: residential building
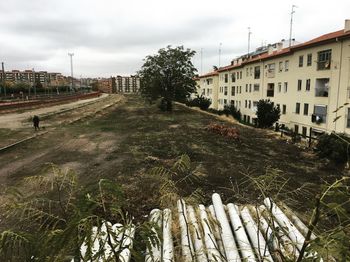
(127, 84)
(107, 85)
(309, 81)
(208, 87)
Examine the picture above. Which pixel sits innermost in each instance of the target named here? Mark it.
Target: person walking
(36, 121)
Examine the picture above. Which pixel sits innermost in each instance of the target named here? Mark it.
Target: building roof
(323, 39)
(214, 73)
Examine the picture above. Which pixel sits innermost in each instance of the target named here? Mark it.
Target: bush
(223, 130)
(200, 101)
(334, 147)
(231, 110)
(267, 113)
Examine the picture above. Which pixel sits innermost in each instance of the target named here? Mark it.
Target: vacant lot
(130, 138)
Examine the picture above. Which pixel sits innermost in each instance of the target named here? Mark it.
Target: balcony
(322, 87)
(323, 65)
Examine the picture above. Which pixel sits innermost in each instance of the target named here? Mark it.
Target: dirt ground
(128, 138)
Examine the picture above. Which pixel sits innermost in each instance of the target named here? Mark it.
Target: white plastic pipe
(216, 231)
(241, 237)
(186, 241)
(257, 239)
(168, 246)
(196, 236)
(154, 253)
(209, 238)
(290, 250)
(284, 222)
(230, 247)
(296, 221)
(127, 242)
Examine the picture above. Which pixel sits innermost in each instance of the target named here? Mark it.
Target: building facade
(309, 82)
(28, 76)
(127, 84)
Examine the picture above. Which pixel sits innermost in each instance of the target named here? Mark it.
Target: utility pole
(34, 85)
(71, 70)
(201, 61)
(249, 33)
(3, 78)
(291, 25)
(220, 54)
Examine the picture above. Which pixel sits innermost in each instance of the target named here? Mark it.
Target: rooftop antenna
(291, 25)
(220, 54)
(249, 33)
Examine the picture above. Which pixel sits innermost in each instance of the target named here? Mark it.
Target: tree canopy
(169, 75)
(267, 113)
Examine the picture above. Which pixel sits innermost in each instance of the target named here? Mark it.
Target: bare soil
(125, 140)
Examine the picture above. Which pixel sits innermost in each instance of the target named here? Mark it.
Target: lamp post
(3, 78)
(71, 70)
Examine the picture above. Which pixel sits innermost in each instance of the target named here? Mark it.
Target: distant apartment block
(106, 85)
(309, 82)
(127, 84)
(28, 76)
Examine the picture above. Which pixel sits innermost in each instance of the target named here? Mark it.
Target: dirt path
(18, 120)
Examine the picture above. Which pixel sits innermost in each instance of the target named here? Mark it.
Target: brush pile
(223, 130)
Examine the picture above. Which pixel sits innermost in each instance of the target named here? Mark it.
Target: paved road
(18, 120)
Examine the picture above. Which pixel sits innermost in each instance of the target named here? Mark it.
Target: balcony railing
(324, 65)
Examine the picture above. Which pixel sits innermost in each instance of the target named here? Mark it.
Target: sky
(112, 37)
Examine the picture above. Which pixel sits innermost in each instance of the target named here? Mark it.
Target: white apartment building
(127, 84)
(310, 82)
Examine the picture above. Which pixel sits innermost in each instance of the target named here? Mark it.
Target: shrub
(200, 101)
(334, 147)
(267, 113)
(231, 110)
(223, 130)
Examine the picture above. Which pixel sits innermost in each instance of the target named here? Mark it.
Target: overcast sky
(111, 37)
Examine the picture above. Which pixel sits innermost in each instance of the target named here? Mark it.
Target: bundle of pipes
(228, 233)
(108, 242)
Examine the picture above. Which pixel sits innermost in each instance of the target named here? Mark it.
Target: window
(322, 87)
(279, 87)
(284, 109)
(251, 71)
(348, 119)
(225, 101)
(233, 102)
(286, 65)
(309, 60)
(306, 109)
(245, 103)
(240, 74)
(240, 89)
(280, 66)
(324, 59)
(301, 61)
(247, 71)
(249, 104)
(250, 88)
(320, 114)
(233, 77)
(225, 91)
(297, 108)
(257, 72)
(226, 78)
(246, 88)
(256, 87)
(271, 70)
(237, 75)
(300, 82)
(296, 129)
(209, 81)
(285, 87)
(304, 132)
(233, 90)
(307, 84)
